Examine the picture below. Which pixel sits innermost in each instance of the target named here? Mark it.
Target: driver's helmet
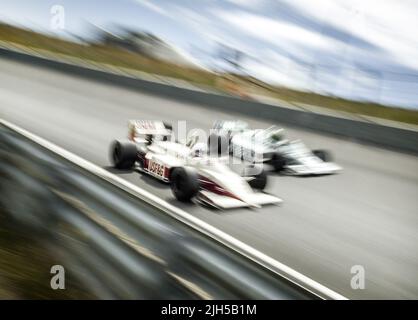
(199, 150)
(277, 135)
(148, 138)
(192, 139)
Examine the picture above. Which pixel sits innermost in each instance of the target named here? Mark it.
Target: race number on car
(156, 168)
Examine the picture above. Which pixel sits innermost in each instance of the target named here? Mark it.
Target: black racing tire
(218, 144)
(278, 162)
(123, 154)
(260, 180)
(184, 183)
(324, 155)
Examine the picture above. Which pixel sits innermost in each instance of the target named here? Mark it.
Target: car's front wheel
(184, 183)
(258, 175)
(324, 155)
(123, 155)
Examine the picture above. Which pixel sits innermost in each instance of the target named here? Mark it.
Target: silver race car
(191, 173)
(270, 146)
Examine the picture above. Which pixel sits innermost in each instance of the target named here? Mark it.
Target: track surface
(367, 215)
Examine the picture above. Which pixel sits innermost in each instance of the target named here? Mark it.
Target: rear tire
(184, 183)
(324, 155)
(278, 162)
(123, 154)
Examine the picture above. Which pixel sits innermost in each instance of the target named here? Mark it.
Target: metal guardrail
(131, 244)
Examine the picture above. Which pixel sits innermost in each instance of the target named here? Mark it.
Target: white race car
(270, 146)
(191, 173)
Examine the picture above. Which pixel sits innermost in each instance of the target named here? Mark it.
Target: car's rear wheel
(324, 155)
(184, 183)
(123, 154)
(278, 162)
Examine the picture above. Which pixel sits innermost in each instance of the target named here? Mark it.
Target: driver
(277, 135)
(148, 139)
(199, 150)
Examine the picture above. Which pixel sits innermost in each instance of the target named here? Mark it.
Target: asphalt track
(367, 215)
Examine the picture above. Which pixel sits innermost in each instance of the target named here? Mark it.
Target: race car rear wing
(230, 125)
(137, 128)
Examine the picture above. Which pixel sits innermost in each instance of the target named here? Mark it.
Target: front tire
(259, 176)
(184, 183)
(123, 155)
(324, 155)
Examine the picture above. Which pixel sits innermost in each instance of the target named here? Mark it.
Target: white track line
(186, 218)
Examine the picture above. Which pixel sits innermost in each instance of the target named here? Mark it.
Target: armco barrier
(384, 136)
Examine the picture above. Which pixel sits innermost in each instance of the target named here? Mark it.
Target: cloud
(389, 25)
(275, 32)
(253, 4)
(152, 6)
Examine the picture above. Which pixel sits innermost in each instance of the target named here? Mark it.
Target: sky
(364, 50)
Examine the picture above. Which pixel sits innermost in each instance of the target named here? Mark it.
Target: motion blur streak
(365, 216)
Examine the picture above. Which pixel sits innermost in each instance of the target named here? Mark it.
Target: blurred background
(346, 55)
